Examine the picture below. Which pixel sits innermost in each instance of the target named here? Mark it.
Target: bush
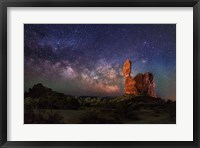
(96, 117)
(43, 117)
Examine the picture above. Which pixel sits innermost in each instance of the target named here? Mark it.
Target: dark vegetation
(44, 106)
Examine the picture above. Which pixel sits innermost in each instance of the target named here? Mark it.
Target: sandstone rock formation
(130, 87)
(139, 83)
(152, 85)
(145, 84)
(142, 84)
(127, 68)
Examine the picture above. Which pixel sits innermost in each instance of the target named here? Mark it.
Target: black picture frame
(4, 4)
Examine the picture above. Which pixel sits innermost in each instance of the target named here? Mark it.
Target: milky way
(87, 59)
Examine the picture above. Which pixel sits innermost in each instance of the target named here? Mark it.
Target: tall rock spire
(129, 81)
(127, 68)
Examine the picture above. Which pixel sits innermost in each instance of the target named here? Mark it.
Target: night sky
(87, 59)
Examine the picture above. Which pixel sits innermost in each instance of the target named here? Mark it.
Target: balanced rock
(129, 81)
(130, 86)
(141, 84)
(127, 68)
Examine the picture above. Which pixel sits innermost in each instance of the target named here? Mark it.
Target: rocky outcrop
(127, 68)
(145, 84)
(130, 87)
(141, 84)
(39, 90)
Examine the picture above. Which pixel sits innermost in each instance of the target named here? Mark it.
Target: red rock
(151, 86)
(140, 84)
(145, 84)
(130, 87)
(127, 68)
(151, 89)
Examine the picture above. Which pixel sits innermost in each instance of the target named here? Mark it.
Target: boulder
(127, 68)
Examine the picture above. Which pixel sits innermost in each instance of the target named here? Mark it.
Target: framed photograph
(99, 73)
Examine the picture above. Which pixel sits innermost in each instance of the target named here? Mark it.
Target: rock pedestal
(141, 84)
(130, 86)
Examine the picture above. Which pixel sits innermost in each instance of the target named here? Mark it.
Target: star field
(87, 59)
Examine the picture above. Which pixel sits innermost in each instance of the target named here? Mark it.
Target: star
(144, 60)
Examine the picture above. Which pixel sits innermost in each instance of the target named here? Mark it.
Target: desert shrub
(171, 109)
(96, 117)
(43, 117)
(51, 102)
(90, 116)
(49, 118)
(71, 103)
(32, 114)
(43, 103)
(30, 105)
